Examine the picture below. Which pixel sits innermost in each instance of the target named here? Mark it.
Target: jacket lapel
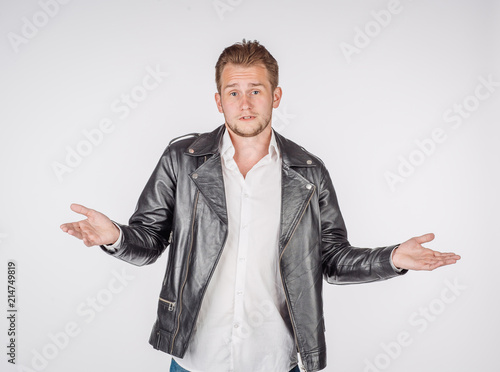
(209, 180)
(296, 193)
(296, 190)
(208, 176)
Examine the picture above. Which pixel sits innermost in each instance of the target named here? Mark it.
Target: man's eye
(233, 94)
(255, 92)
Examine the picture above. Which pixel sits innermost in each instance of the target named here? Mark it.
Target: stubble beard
(238, 128)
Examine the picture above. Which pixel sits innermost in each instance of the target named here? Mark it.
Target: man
(254, 225)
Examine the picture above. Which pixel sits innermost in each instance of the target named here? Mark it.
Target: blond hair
(247, 53)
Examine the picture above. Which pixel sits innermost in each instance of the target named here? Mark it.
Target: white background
(361, 113)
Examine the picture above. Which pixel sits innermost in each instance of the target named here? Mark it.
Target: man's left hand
(411, 255)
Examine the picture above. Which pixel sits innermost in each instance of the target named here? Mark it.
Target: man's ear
(277, 97)
(219, 102)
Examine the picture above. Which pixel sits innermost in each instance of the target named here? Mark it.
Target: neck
(249, 150)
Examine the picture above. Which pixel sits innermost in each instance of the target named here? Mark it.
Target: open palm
(97, 229)
(412, 255)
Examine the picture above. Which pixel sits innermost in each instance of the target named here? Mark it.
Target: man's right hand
(97, 229)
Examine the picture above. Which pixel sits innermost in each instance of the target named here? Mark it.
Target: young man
(254, 225)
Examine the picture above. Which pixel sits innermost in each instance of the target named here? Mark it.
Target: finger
(74, 229)
(76, 233)
(71, 226)
(424, 238)
(447, 257)
(78, 208)
(444, 255)
(87, 242)
(443, 262)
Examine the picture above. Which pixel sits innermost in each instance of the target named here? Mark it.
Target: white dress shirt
(242, 322)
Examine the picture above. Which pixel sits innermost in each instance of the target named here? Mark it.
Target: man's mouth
(247, 117)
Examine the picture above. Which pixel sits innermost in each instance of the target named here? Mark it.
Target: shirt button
(245, 195)
(309, 186)
(240, 292)
(236, 325)
(195, 176)
(309, 162)
(242, 259)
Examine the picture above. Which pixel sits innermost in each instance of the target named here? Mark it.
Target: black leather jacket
(183, 204)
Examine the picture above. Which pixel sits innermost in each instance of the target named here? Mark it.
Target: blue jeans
(174, 367)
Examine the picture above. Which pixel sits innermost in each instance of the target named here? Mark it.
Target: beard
(251, 128)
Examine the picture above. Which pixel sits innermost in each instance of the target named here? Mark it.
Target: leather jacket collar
(292, 154)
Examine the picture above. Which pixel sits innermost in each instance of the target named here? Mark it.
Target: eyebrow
(237, 84)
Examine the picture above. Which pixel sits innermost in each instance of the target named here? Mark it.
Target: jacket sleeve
(146, 236)
(341, 262)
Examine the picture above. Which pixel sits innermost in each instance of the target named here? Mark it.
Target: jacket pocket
(169, 304)
(166, 311)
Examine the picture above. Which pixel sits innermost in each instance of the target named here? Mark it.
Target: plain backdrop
(366, 86)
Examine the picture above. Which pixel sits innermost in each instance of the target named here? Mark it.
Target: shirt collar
(227, 148)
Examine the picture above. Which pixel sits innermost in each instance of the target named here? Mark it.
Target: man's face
(247, 99)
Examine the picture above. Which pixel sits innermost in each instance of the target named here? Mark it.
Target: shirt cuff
(392, 263)
(113, 248)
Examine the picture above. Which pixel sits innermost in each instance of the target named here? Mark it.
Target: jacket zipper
(187, 263)
(171, 305)
(170, 239)
(283, 284)
(187, 269)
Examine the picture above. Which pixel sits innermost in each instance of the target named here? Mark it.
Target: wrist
(394, 259)
(117, 233)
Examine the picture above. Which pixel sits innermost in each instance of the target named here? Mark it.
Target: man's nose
(245, 103)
